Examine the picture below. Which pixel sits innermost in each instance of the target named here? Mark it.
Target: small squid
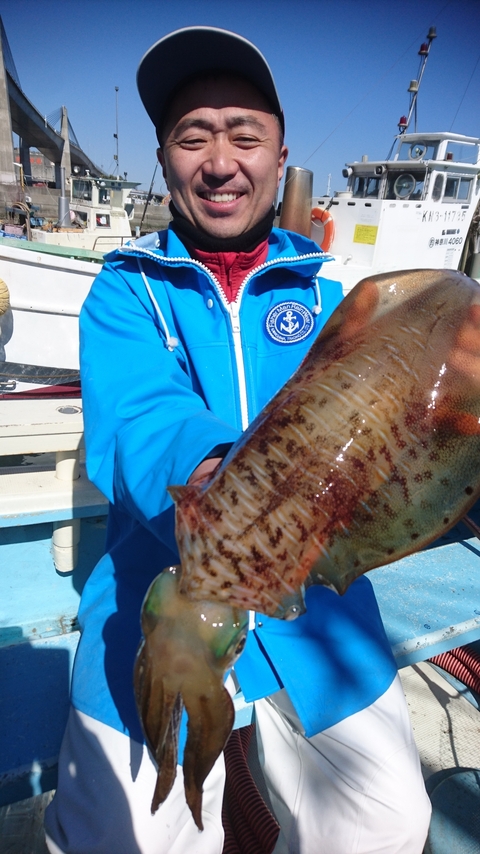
(187, 649)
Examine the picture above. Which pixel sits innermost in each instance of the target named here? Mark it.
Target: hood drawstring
(318, 307)
(170, 341)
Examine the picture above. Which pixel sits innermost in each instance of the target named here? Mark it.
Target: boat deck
(446, 727)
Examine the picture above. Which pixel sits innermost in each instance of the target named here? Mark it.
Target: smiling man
(222, 154)
(183, 340)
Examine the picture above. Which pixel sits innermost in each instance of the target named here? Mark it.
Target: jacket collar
(283, 245)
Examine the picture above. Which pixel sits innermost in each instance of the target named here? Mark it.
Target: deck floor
(446, 727)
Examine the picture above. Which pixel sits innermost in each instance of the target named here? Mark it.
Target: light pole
(115, 156)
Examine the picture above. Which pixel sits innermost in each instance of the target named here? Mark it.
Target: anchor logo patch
(289, 322)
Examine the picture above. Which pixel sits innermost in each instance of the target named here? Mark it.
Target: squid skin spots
(350, 447)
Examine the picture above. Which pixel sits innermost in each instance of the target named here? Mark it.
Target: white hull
(46, 294)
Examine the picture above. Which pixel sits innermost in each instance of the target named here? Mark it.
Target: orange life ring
(326, 218)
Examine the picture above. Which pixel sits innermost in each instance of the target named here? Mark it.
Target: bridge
(18, 115)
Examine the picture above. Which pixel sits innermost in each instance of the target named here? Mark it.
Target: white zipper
(234, 312)
(233, 308)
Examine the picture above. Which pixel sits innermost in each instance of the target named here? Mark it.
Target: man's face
(222, 156)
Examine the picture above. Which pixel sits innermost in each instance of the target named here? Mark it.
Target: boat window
(462, 152)
(80, 217)
(117, 199)
(104, 196)
(405, 185)
(418, 151)
(365, 186)
(102, 220)
(457, 189)
(82, 190)
(437, 188)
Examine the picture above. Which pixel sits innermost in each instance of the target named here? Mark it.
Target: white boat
(47, 286)
(96, 218)
(412, 210)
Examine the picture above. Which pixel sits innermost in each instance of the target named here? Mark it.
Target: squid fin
(180, 493)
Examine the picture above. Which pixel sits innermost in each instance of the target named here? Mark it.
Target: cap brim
(193, 50)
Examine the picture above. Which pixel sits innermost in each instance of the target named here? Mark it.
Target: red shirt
(231, 268)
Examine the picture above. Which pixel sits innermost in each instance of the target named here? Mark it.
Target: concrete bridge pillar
(66, 162)
(7, 169)
(25, 160)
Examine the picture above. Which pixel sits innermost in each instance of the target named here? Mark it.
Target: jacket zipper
(233, 308)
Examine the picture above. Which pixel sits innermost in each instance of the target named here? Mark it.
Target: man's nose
(220, 162)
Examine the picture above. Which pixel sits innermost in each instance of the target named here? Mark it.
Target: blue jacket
(170, 371)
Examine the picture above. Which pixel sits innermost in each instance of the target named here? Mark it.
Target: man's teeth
(221, 197)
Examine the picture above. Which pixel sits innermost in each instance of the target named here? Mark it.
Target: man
(177, 358)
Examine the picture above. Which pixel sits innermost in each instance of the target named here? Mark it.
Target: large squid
(369, 452)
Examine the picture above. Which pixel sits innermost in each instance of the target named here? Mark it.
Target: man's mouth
(220, 197)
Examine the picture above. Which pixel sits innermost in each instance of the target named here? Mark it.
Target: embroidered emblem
(289, 322)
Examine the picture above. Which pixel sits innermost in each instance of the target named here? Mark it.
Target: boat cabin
(100, 214)
(411, 210)
(441, 167)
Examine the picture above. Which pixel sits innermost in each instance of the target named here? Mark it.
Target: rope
(250, 827)
(463, 663)
(4, 298)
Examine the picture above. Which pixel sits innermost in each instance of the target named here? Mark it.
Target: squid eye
(240, 645)
(292, 613)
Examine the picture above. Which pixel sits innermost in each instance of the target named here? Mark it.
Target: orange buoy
(326, 218)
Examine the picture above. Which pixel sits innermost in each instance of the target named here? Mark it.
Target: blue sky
(342, 68)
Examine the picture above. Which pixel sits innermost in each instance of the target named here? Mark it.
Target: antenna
(115, 135)
(414, 87)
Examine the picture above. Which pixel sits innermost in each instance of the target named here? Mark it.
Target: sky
(342, 68)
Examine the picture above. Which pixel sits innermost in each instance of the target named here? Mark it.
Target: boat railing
(61, 494)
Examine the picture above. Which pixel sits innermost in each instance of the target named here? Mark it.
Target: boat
(46, 288)
(418, 208)
(97, 216)
(48, 273)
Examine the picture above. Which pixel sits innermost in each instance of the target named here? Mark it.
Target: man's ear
(281, 162)
(161, 160)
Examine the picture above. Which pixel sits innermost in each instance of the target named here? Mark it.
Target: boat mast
(414, 87)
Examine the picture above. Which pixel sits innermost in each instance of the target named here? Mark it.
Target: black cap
(181, 55)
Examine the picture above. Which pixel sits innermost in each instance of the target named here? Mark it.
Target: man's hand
(204, 472)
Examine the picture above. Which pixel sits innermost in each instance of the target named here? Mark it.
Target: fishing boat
(97, 216)
(45, 287)
(418, 208)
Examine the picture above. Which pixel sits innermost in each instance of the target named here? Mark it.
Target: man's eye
(246, 140)
(192, 142)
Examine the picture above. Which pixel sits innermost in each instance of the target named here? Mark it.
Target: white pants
(354, 789)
